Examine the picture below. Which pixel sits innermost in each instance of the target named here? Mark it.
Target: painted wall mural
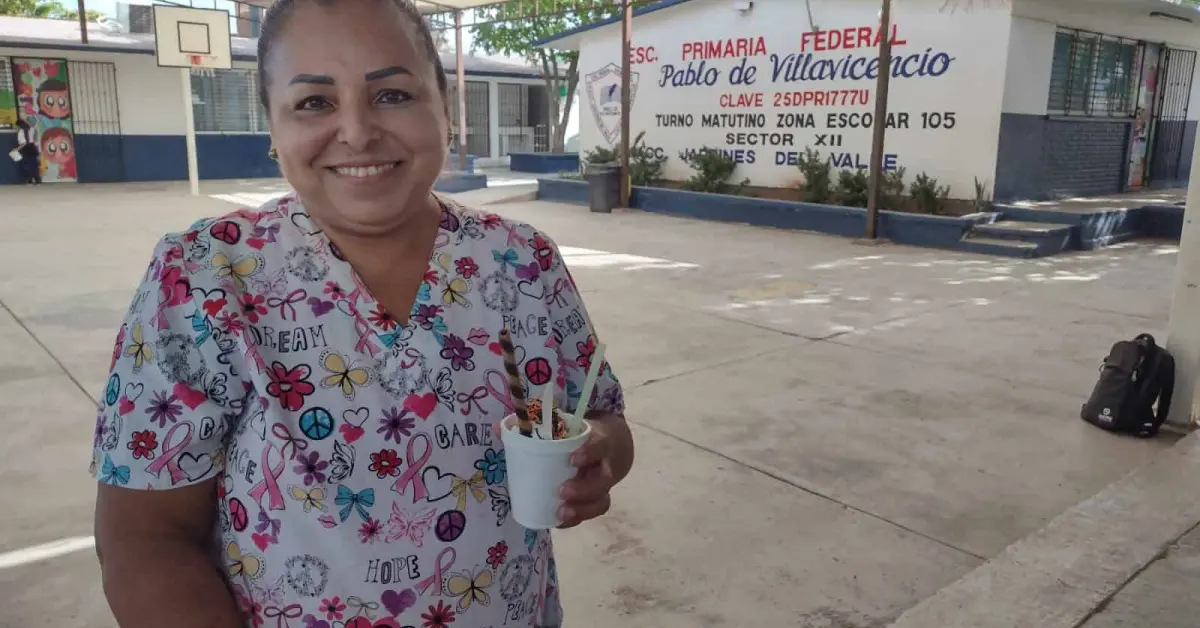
(44, 99)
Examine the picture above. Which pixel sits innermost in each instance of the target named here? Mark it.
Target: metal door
(97, 120)
(1170, 117)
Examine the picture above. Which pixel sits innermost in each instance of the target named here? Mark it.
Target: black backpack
(1135, 374)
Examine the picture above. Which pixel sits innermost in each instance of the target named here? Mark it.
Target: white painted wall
(150, 100)
(1031, 42)
(972, 88)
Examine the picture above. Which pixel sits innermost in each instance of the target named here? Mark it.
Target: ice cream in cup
(537, 468)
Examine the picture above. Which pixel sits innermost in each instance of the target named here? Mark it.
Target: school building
(105, 111)
(1037, 99)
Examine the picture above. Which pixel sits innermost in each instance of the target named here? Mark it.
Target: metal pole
(82, 22)
(881, 106)
(461, 81)
(1183, 331)
(190, 132)
(626, 98)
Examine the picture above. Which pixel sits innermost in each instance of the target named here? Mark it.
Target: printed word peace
(389, 570)
(463, 435)
(288, 340)
(530, 325)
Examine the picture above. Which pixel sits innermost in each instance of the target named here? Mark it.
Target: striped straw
(515, 385)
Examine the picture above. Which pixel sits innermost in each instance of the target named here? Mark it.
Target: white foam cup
(536, 469)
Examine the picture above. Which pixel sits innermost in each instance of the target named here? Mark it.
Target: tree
(507, 29)
(43, 9)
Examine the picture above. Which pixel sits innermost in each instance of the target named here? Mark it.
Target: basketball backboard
(186, 37)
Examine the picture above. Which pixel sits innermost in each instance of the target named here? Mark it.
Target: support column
(1183, 327)
(626, 99)
(461, 81)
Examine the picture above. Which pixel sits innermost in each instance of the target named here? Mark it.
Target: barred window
(8, 96)
(226, 101)
(1093, 75)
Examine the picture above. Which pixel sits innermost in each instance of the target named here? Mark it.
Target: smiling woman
(282, 390)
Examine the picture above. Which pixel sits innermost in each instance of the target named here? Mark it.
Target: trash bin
(604, 186)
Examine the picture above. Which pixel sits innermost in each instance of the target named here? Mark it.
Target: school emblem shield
(603, 89)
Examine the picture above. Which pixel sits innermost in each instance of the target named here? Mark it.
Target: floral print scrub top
(359, 480)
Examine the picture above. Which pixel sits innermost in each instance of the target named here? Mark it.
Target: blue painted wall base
(976, 233)
(454, 182)
(543, 163)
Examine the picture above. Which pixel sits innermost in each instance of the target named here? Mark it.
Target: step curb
(1058, 576)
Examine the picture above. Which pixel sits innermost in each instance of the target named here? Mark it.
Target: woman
(30, 164)
(298, 427)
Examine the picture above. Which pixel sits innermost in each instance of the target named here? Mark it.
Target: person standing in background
(31, 155)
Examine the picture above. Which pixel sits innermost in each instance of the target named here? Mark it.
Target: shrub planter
(543, 163)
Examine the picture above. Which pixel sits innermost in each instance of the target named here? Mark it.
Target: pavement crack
(774, 475)
(71, 376)
(707, 367)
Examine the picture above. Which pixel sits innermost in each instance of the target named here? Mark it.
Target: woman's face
(355, 111)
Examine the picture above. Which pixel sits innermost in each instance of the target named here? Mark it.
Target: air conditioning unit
(136, 18)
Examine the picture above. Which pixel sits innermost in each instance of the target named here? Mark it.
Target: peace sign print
(316, 423)
(538, 371)
(226, 231)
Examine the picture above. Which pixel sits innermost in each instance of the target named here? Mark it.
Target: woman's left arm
(608, 455)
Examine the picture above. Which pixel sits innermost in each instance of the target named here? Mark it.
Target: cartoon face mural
(43, 90)
(54, 99)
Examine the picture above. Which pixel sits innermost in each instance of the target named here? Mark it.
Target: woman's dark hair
(277, 16)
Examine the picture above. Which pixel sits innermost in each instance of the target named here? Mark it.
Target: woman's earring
(273, 154)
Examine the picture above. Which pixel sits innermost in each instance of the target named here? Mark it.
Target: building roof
(570, 38)
(43, 34)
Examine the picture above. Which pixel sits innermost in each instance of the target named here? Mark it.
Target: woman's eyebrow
(392, 70)
(314, 79)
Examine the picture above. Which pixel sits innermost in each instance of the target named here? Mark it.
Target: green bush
(853, 187)
(601, 155)
(713, 170)
(644, 167)
(818, 180)
(982, 202)
(892, 194)
(928, 195)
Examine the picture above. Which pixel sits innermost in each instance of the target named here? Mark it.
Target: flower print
(542, 251)
(467, 267)
(163, 408)
(439, 616)
(101, 430)
(253, 306)
(493, 466)
(490, 221)
(427, 316)
(333, 608)
(385, 462)
(497, 554)
(586, 350)
(382, 318)
(335, 291)
(251, 610)
(456, 350)
(290, 386)
(230, 324)
(143, 443)
(311, 468)
(431, 276)
(395, 424)
(370, 530)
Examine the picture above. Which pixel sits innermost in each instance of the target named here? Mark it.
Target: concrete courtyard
(828, 433)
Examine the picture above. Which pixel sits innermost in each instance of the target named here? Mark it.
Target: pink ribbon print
(439, 572)
(169, 459)
(555, 297)
(282, 615)
(471, 401)
(416, 464)
(500, 391)
(287, 304)
(269, 484)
